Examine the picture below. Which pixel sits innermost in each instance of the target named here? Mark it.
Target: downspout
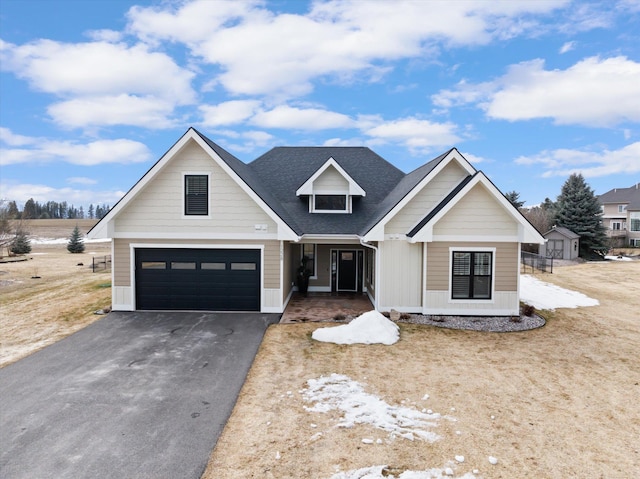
(377, 277)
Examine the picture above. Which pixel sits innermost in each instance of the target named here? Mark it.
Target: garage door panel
(198, 279)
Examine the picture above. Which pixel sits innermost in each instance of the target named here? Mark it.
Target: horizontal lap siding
(506, 261)
(122, 260)
(159, 206)
(436, 190)
(331, 180)
(477, 214)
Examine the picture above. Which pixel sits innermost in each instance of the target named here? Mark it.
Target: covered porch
(317, 306)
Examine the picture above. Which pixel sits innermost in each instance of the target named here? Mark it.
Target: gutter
(377, 275)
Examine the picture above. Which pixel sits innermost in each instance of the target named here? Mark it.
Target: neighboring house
(562, 243)
(202, 230)
(621, 214)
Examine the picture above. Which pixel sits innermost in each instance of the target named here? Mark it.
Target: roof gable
(354, 189)
(424, 231)
(230, 164)
(566, 232)
(408, 188)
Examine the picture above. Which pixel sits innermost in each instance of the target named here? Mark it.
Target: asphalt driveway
(135, 395)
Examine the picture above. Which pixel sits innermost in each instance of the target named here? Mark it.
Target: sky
(93, 93)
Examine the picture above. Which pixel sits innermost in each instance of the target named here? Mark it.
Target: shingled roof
(276, 176)
(629, 196)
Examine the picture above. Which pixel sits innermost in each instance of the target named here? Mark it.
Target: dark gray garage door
(198, 279)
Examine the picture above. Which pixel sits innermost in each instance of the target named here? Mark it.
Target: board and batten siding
(401, 276)
(330, 180)
(159, 207)
(477, 214)
(420, 205)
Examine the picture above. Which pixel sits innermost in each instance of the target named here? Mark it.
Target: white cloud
(416, 134)
(593, 92)
(284, 116)
(98, 68)
(126, 80)
(93, 153)
(81, 180)
(564, 162)
(262, 52)
(146, 112)
(475, 159)
(567, 47)
(105, 35)
(229, 112)
(11, 139)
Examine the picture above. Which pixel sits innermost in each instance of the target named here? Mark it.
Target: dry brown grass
(564, 397)
(36, 312)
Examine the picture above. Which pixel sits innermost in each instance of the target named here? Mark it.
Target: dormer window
(331, 204)
(330, 189)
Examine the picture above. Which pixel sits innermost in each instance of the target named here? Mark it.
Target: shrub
(21, 243)
(75, 244)
(528, 310)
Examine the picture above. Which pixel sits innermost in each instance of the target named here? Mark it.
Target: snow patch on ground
(368, 328)
(544, 295)
(339, 392)
(380, 472)
(45, 241)
(618, 258)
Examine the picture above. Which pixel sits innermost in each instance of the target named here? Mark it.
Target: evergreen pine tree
(578, 209)
(21, 243)
(514, 198)
(75, 244)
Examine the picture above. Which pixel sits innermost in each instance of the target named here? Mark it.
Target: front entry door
(347, 270)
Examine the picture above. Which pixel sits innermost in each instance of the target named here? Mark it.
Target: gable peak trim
(307, 187)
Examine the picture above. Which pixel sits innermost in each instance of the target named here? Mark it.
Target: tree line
(576, 208)
(53, 210)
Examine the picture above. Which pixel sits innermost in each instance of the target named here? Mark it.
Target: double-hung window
(196, 195)
(471, 274)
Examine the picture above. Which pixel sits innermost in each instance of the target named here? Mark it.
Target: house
(621, 215)
(562, 243)
(201, 230)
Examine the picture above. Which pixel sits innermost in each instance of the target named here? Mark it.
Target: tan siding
(159, 206)
(478, 213)
(506, 261)
(323, 266)
(121, 263)
(122, 270)
(426, 199)
(287, 269)
(331, 180)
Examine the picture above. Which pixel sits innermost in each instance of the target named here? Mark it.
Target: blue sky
(92, 93)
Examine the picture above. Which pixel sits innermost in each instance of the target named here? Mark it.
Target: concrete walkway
(134, 395)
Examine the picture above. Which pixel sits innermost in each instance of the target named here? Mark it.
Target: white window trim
(184, 194)
(312, 202)
(476, 249)
(622, 208)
